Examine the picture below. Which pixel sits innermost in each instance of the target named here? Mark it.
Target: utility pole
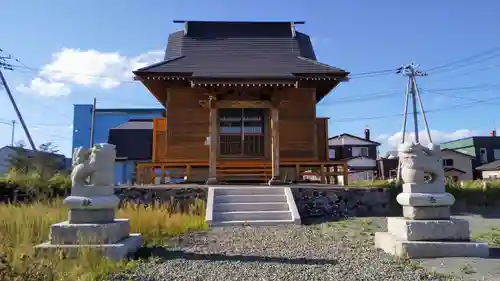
(13, 132)
(92, 124)
(412, 91)
(5, 65)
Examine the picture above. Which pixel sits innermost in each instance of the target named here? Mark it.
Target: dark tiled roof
(145, 124)
(133, 140)
(240, 49)
(492, 166)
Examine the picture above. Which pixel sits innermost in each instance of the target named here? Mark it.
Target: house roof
(136, 124)
(454, 169)
(208, 49)
(492, 166)
(458, 152)
(29, 152)
(126, 136)
(353, 136)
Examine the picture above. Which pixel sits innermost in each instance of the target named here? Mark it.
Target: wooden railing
(239, 170)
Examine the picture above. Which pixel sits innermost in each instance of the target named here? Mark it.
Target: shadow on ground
(163, 253)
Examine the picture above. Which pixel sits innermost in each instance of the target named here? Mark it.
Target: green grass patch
(25, 225)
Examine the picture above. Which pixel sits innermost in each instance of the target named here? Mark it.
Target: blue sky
(78, 50)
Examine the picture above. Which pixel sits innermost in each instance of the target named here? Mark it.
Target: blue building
(105, 121)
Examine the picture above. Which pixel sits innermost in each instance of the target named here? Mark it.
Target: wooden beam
(315, 128)
(243, 104)
(275, 148)
(214, 141)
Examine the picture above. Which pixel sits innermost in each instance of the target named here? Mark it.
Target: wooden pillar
(214, 137)
(275, 147)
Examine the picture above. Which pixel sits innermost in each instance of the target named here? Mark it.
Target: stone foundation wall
(335, 202)
(179, 198)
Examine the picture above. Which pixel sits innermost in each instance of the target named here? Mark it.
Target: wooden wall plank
(297, 124)
(187, 125)
(322, 141)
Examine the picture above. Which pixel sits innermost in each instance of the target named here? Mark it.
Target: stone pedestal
(426, 229)
(91, 226)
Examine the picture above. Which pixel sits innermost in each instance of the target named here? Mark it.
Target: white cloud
(392, 141)
(89, 68)
(45, 87)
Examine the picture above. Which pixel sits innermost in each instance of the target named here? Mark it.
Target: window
(483, 154)
(331, 153)
(448, 162)
(359, 151)
(496, 154)
(241, 132)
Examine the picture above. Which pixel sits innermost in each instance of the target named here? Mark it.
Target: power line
(5, 65)
(460, 97)
(464, 105)
(469, 58)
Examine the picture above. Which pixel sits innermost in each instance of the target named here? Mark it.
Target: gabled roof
(492, 166)
(450, 169)
(353, 136)
(218, 49)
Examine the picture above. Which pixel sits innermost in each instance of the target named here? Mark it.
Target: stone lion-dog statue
(420, 164)
(96, 163)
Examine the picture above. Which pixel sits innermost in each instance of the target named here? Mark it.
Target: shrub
(24, 225)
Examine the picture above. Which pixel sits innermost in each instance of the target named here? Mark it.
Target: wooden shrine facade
(233, 120)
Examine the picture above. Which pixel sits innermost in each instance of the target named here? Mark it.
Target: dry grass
(23, 226)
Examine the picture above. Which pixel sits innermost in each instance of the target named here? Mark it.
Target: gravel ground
(470, 268)
(331, 251)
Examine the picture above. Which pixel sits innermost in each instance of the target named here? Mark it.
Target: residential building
(483, 149)
(7, 152)
(457, 165)
(129, 151)
(360, 152)
(490, 170)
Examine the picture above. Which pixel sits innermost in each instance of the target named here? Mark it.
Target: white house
(457, 165)
(361, 155)
(490, 170)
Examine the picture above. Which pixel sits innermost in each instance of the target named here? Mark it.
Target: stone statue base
(429, 239)
(91, 225)
(426, 230)
(112, 240)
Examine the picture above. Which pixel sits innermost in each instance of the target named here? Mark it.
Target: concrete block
(250, 198)
(429, 230)
(247, 207)
(91, 233)
(242, 190)
(251, 216)
(423, 188)
(91, 215)
(429, 249)
(117, 251)
(427, 213)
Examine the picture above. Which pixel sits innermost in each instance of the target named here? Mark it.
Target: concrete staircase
(251, 205)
